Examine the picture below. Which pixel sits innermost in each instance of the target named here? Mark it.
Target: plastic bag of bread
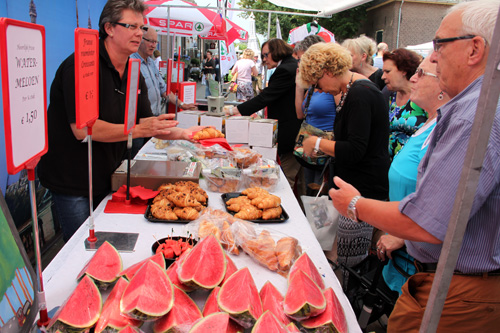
(222, 179)
(215, 222)
(270, 248)
(265, 174)
(245, 157)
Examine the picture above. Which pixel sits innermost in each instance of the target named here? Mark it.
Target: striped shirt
(430, 206)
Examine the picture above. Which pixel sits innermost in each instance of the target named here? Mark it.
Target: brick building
(419, 20)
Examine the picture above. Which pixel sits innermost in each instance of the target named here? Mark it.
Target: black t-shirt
(64, 169)
(209, 63)
(376, 78)
(361, 132)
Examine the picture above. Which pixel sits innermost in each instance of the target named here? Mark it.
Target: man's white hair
(478, 17)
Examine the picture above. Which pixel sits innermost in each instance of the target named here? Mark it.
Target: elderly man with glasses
(472, 304)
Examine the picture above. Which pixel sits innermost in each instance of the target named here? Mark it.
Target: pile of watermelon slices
(148, 292)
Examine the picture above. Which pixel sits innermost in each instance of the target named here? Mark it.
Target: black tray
(226, 196)
(148, 216)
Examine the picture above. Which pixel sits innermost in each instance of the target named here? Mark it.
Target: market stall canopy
(231, 32)
(299, 33)
(323, 7)
(183, 21)
(423, 49)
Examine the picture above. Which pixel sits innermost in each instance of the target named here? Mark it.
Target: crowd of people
(399, 139)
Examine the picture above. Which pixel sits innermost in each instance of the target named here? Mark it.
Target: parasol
(299, 33)
(232, 32)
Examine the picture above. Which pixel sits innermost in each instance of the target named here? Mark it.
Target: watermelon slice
(218, 322)
(104, 267)
(211, 305)
(332, 320)
(149, 295)
(182, 316)
(130, 272)
(305, 264)
(239, 297)
(292, 328)
(128, 329)
(205, 265)
(268, 323)
(80, 311)
(303, 299)
(230, 269)
(272, 300)
(111, 318)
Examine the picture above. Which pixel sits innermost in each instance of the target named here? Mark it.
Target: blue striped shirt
(430, 206)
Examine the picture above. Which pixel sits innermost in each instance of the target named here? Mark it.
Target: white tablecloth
(60, 275)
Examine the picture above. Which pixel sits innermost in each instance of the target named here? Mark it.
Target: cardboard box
(266, 152)
(215, 121)
(237, 129)
(151, 174)
(263, 133)
(189, 118)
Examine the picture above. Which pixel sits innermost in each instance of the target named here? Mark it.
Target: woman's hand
(386, 244)
(308, 145)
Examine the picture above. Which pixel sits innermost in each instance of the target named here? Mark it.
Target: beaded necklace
(344, 96)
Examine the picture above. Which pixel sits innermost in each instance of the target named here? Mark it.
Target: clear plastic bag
(323, 218)
(265, 174)
(222, 179)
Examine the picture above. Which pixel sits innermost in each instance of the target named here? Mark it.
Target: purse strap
(308, 99)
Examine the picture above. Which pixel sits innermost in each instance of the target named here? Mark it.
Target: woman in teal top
(404, 169)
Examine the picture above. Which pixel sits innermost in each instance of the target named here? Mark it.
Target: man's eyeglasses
(420, 72)
(150, 40)
(436, 43)
(133, 27)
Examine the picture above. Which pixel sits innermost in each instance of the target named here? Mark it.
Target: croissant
(206, 228)
(272, 213)
(182, 199)
(186, 213)
(187, 183)
(262, 248)
(254, 192)
(227, 239)
(249, 212)
(235, 204)
(199, 194)
(267, 201)
(287, 252)
(166, 187)
(163, 213)
(208, 133)
(163, 202)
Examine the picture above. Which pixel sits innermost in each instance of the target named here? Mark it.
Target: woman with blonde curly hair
(360, 139)
(244, 69)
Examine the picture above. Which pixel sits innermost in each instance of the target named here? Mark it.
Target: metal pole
(44, 318)
(480, 133)
(92, 237)
(269, 25)
(399, 23)
(168, 32)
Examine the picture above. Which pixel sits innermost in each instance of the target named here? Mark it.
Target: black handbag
(319, 160)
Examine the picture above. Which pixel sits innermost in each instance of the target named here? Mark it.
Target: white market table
(60, 274)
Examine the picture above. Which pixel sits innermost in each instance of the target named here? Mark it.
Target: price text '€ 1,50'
(89, 94)
(29, 117)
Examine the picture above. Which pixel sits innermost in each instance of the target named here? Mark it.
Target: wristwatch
(316, 146)
(351, 209)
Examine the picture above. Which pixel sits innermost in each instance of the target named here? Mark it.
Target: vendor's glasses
(150, 40)
(420, 72)
(265, 55)
(133, 27)
(436, 43)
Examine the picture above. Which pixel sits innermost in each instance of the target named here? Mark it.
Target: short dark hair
(406, 61)
(209, 52)
(304, 44)
(112, 12)
(278, 49)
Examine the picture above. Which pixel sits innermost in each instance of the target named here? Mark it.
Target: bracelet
(316, 146)
(231, 112)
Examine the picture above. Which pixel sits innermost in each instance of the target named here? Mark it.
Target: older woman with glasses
(405, 117)
(63, 170)
(425, 92)
(361, 133)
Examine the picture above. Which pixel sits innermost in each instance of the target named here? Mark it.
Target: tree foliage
(344, 25)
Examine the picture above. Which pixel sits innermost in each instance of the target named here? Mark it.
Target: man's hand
(154, 126)
(386, 244)
(343, 196)
(189, 106)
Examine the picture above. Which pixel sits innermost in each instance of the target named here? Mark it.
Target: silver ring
(382, 252)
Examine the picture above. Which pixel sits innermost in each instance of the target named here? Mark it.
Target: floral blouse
(403, 122)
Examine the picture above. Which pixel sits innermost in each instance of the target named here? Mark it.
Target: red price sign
(134, 67)
(86, 77)
(22, 53)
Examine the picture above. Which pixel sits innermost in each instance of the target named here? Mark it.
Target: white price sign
(134, 70)
(24, 92)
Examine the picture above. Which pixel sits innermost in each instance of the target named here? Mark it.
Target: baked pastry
(262, 248)
(207, 133)
(287, 252)
(254, 192)
(266, 201)
(163, 212)
(249, 212)
(206, 228)
(182, 199)
(272, 213)
(235, 204)
(166, 187)
(227, 239)
(186, 213)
